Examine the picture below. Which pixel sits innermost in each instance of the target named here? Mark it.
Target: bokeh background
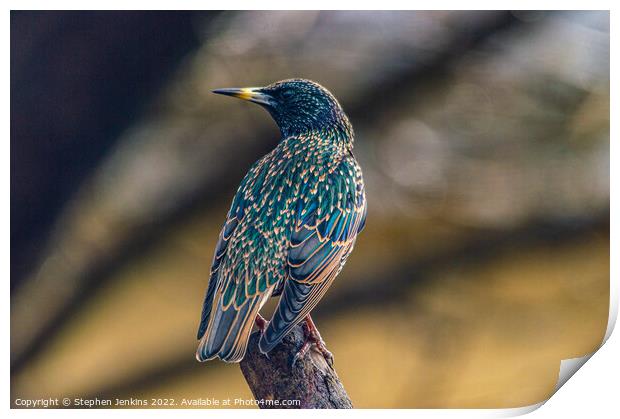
(484, 139)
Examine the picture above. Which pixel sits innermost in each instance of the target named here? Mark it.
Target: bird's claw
(329, 358)
(319, 345)
(313, 337)
(327, 355)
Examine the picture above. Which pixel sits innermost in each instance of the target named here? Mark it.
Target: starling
(291, 226)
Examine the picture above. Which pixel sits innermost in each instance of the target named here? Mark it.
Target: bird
(292, 224)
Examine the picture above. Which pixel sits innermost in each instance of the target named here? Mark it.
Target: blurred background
(484, 140)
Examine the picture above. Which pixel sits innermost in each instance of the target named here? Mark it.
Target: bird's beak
(253, 94)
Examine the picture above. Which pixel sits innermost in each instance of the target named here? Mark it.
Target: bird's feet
(261, 323)
(312, 337)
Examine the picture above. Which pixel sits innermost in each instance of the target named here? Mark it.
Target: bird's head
(297, 105)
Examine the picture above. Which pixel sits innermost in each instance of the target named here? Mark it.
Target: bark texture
(311, 381)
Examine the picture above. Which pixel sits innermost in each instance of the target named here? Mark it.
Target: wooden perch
(311, 381)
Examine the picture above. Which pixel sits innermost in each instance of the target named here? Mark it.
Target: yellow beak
(253, 94)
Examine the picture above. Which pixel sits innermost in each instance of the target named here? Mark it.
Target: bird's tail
(228, 332)
(296, 302)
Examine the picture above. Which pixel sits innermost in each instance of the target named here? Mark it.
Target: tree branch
(311, 382)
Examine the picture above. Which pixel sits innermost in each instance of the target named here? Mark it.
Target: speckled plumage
(291, 226)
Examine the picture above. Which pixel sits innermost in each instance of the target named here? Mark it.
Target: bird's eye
(286, 94)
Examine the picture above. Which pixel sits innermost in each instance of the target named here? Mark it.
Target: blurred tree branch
(412, 80)
(311, 381)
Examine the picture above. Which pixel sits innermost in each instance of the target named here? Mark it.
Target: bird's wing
(220, 250)
(322, 238)
(237, 288)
